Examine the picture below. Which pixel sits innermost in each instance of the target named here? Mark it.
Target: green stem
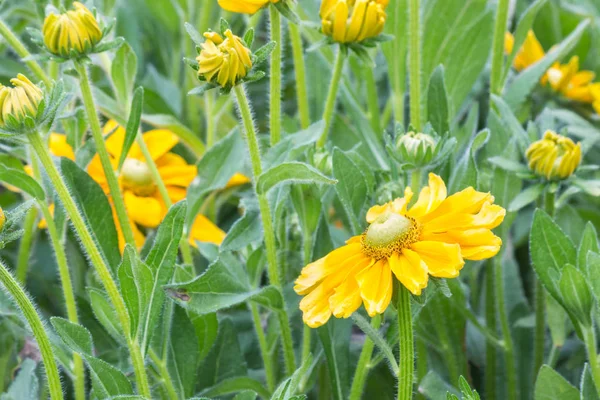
(264, 348)
(490, 320)
(265, 212)
(373, 101)
(111, 178)
(421, 357)
(275, 79)
(591, 347)
(362, 369)
(415, 180)
(29, 229)
(209, 101)
(95, 257)
(22, 51)
(165, 377)
(396, 58)
(406, 344)
(300, 69)
(498, 47)
(511, 371)
(332, 95)
(553, 356)
(28, 309)
(414, 53)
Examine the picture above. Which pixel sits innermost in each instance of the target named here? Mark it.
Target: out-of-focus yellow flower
(530, 53)
(595, 91)
(236, 180)
(223, 61)
(144, 204)
(18, 102)
(433, 237)
(75, 30)
(2, 219)
(554, 157)
(569, 81)
(244, 6)
(348, 21)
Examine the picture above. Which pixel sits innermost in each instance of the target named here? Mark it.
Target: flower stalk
(332, 95)
(373, 101)
(35, 323)
(496, 83)
(95, 257)
(265, 212)
(511, 370)
(414, 53)
(300, 69)
(592, 351)
(362, 369)
(406, 345)
(111, 178)
(275, 79)
(25, 246)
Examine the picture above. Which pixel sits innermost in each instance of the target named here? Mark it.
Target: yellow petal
(146, 211)
(178, 175)
(443, 260)
(204, 230)
(243, 6)
(315, 307)
(375, 285)
(59, 146)
(410, 270)
(339, 22)
(159, 142)
(237, 179)
(430, 197)
(310, 276)
(347, 298)
(114, 143)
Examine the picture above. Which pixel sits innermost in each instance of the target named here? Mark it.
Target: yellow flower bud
(2, 219)
(509, 43)
(223, 61)
(244, 6)
(348, 21)
(18, 102)
(554, 157)
(75, 30)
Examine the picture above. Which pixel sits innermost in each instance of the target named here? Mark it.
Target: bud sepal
(419, 149)
(10, 223)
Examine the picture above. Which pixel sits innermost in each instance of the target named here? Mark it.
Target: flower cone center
(136, 176)
(389, 234)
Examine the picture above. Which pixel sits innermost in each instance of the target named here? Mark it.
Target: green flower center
(389, 234)
(136, 176)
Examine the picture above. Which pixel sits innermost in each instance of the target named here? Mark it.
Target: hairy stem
(29, 229)
(498, 47)
(332, 96)
(406, 362)
(275, 79)
(591, 348)
(490, 320)
(414, 53)
(362, 369)
(373, 101)
(264, 348)
(300, 69)
(509, 355)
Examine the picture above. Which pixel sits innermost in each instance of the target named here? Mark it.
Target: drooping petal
(410, 270)
(315, 307)
(475, 244)
(60, 147)
(159, 143)
(179, 175)
(430, 197)
(375, 285)
(310, 276)
(204, 230)
(146, 211)
(443, 260)
(347, 298)
(243, 6)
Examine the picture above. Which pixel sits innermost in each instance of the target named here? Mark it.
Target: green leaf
(510, 122)
(196, 37)
(128, 285)
(465, 172)
(526, 197)
(234, 385)
(576, 294)
(75, 336)
(587, 387)
(133, 124)
(307, 203)
(224, 284)
(333, 365)
(589, 242)
(262, 54)
(200, 90)
(379, 341)
(161, 262)
(290, 172)
(508, 165)
(20, 179)
(206, 327)
(183, 349)
(437, 102)
(123, 71)
(96, 210)
(289, 387)
(105, 313)
(244, 231)
(25, 385)
(246, 395)
(529, 78)
(593, 272)
(550, 385)
(351, 187)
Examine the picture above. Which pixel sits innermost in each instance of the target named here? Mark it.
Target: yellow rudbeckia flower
(223, 61)
(530, 53)
(433, 237)
(145, 206)
(569, 81)
(76, 31)
(348, 21)
(554, 156)
(244, 6)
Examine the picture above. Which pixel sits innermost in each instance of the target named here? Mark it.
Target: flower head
(223, 61)
(244, 6)
(433, 237)
(74, 31)
(19, 103)
(530, 53)
(348, 21)
(569, 81)
(416, 146)
(554, 156)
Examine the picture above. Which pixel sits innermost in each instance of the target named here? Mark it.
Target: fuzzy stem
(209, 101)
(95, 257)
(498, 47)
(490, 320)
(37, 327)
(362, 369)
(22, 51)
(111, 178)
(300, 69)
(373, 101)
(163, 372)
(265, 212)
(406, 345)
(264, 348)
(332, 95)
(511, 371)
(275, 80)
(25, 246)
(589, 337)
(414, 53)
(398, 61)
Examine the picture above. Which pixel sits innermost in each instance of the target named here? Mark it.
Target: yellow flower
(567, 80)
(236, 180)
(75, 30)
(554, 157)
(225, 61)
(433, 237)
(144, 204)
(2, 219)
(19, 102)
(348, 21)
(244, 6)
(530, 53)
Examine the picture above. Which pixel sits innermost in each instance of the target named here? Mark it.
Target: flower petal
(410, 270)
(159, 143)
(443, 260)
(347, 298)
(430, 197)
(59, 146)
(146, 211)
(204, 230)
(178, 175)
(375, 285)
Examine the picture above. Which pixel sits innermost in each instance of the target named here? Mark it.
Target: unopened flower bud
(554, 157)
(348, 21)
(223, 61)
(416, 148)
(19, 103)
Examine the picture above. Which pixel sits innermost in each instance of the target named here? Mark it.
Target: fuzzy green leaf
(20, 179)
(290, 172)
(437, 102)
(576, 294)
(550, 385)
(133, 124)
